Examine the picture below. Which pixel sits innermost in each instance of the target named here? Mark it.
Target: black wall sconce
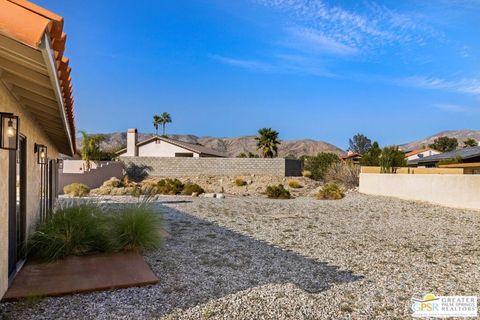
(60, 163)
(9, 125)
(41, 152)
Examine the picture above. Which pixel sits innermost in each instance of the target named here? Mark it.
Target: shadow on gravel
(204, 261)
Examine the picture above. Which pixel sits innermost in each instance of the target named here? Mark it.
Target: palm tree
(267, 141)
(156, 121)
(164, 119)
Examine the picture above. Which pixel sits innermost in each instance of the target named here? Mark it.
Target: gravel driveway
(362, 257)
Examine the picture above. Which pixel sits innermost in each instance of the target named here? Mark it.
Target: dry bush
(240, 182)
(307, 173)
(346, 174)
(330, 191)
(76, 189)
(277, 192)
(294, 184)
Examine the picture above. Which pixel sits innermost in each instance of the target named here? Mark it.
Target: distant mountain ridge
(460, 135)
(231, 146)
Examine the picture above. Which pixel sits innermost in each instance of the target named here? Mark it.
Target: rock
(220, 196)
(209, 195)
(249, 181)
(194, 194)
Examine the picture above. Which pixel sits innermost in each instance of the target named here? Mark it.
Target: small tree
(444, 144)
(319, 164)
(157, 120)
(359, 143)
(91, 147)
(164, 119)
(391, 159)
(372, 157)
(267, 142)
(470, 143)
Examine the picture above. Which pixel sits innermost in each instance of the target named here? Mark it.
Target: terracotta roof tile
(27, 23)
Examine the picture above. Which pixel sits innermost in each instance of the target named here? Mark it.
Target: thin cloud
(465, 85)
(449, 107)
(244, 63)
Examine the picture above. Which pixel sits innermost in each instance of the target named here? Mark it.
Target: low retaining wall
(178, 167)
(455, 190)
(74, 171)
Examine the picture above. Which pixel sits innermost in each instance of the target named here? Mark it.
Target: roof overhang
(36, 73)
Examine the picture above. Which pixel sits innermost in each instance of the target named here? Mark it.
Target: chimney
(132, 139)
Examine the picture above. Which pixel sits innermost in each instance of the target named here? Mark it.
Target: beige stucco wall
(162, 149)
(455, 190)
(33, 132)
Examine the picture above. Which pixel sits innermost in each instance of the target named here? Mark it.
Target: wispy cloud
(449, 107)
(465, 85)
(343, 30)
(278, 63)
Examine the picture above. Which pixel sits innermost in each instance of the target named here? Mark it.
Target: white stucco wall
(452, 190)
(162, 149)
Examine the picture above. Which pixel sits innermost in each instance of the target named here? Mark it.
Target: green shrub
(240, 182)
(330, 191)
(76, 189)
(277, 192)
(294, 184)
(69, 231)
(84, 229)
(191, 188)
(135, 227)
(319, 164)
(391, 159)
(455, 160)
(170, 186)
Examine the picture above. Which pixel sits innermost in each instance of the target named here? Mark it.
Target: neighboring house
(164, 147)
(355, 157)
(468, 155)
(37, 123)
(415, 155)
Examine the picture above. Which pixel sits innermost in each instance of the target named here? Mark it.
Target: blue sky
(393, 70)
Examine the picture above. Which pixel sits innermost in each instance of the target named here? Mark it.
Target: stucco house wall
(424, 154)
(162, 149)
(34, 134)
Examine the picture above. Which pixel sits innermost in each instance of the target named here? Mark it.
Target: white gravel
(362, 257)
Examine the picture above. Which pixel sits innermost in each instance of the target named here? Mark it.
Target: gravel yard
(362, 257)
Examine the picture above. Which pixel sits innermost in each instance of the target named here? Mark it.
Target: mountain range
(231, 146)
(235, 146)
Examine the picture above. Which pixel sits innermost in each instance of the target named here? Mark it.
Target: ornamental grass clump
(169, 186)
(89, 228)
(240, 182)
(75, 230)
(277, 192)
(135, 228)
(76, 190)
(294, 184)
(330, 191)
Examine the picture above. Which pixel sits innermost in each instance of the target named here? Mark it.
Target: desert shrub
(69, 231)
(319, 164)
(76, 189)
(112, 183)
(169, 186)
(294, 184)
(392, 158)
(191, 188)
(240, 182)
(455, 160)
(330, 191)
(137, 173)
(345, 173)
(277, 192)
(307, 173)
(135, 227)
(372, 157)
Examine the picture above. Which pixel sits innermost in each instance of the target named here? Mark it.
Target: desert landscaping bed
(361, 257)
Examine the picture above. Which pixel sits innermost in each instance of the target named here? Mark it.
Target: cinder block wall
(178, 167)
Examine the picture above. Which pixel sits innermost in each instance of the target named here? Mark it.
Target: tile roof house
(420, 154)
(36, 101)
(165, 147)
